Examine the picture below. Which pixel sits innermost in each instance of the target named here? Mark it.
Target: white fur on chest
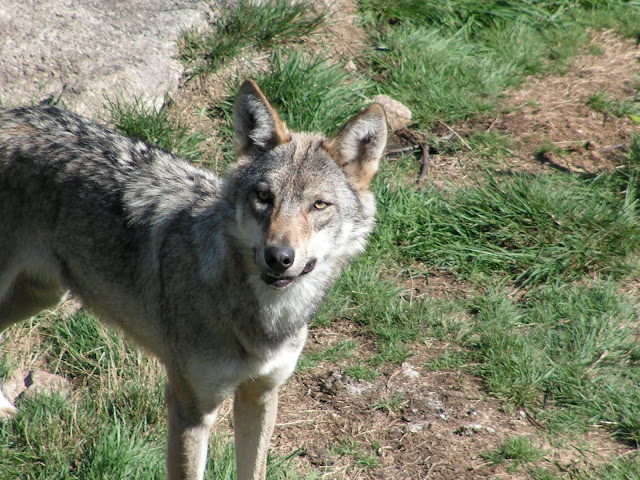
(281, 363)
(280, 310)
(217, 379)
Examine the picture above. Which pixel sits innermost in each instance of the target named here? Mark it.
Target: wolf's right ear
(359, 144)
(257, 125)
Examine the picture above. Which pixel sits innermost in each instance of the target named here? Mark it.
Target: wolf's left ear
(257, 125)
(359, 144)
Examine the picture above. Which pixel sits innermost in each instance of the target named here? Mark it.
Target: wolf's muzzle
(282, 282)
(279, 258)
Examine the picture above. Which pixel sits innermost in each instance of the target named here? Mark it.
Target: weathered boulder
(398, 114)
(85, 51)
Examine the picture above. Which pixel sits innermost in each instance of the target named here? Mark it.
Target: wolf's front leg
(254, 412)
(189, 431)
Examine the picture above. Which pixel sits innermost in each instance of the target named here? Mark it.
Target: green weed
(250, 23)
(528, 228)
(392, 404)
(155, 126)
(518, 450)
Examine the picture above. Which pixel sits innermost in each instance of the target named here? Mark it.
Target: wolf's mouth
(282, 282)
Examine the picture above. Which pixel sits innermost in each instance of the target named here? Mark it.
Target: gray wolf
(217, 277)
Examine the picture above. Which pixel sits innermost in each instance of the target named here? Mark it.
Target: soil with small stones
(412, 422)
(409, 422)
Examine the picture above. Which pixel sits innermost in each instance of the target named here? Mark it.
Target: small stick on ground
(456, 134)
(403, 150)
(426, 163)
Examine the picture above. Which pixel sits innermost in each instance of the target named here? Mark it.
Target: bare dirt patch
(552, 122)
(409, 422)
(423, 281)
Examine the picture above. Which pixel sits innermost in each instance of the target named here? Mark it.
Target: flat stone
(398, 114)
(26, 383)
(84, 52)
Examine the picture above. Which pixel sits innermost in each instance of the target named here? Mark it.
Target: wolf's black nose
(279, 258)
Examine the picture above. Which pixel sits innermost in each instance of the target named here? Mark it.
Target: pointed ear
(359, 144)
(257, 125)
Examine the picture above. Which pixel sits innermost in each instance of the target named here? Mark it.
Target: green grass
(450, 61)
(515, 450)
(114, 423)
(309, 92)
(528, 228)
(602, 101)
(259, 25)
(364, 457)
(467, 17)
(567, 353)
(149, 124)
(341, 351)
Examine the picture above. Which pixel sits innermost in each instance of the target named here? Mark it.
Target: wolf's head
(302, 202)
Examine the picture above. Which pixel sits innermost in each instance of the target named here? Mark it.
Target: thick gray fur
(217, 277)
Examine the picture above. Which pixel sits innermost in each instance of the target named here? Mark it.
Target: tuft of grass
(567, 353)
(392, 404)
(624, 467)
(601, 101)
(449, 361)
(250, 23)
(528, 228)
(437, 76)
(337, 353)
(361, 373)
(308, 91)
(378, 307)
(364, 457)
(518, 450)
(620, 15)
(155, 126)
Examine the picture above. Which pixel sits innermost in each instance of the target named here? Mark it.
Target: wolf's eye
(264, 196)
(320, 204)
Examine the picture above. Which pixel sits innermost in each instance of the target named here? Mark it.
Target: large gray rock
(85, 51)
